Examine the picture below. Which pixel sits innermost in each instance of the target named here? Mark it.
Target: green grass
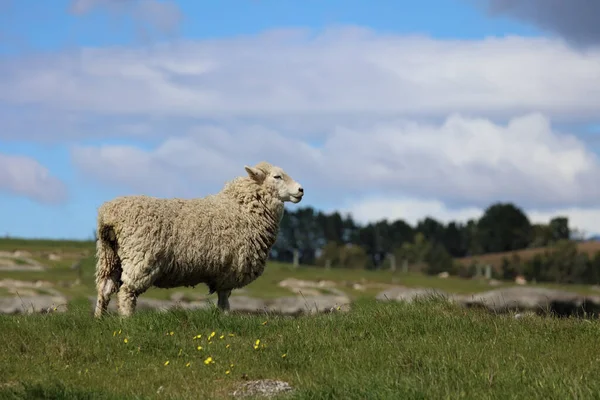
(46, 245)
(426, 350)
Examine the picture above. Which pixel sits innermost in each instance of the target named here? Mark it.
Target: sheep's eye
(277, 177)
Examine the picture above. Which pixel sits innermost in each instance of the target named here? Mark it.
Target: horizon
(388, 111)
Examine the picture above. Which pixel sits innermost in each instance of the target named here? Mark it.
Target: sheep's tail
(108, 266)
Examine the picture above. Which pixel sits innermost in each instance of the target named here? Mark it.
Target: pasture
(377, 350)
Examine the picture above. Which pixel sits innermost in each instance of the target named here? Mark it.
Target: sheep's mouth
(295, 199)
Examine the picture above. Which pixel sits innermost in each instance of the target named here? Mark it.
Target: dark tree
(504, 227)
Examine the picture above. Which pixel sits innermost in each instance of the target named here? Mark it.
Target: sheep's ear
(255, 173)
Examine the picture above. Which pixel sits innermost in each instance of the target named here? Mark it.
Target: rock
(263, 387)
(311, 288)
(21, 254)
(401, 293)
(326, 284)
(308, 304)
(54, 257)
(246, 304)
(299, 283)
(358, 286)
(443, 275)
(292, 306)
(16, 267)
(536, 299)
(28, 288)
(144, 303)
(517, 298)
(32, 304)
(305, 291)
(520, 280)
(178, 296)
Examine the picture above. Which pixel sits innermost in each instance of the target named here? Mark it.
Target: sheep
(222, 240)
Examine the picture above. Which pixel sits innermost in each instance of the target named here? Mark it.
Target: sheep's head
(277, 181)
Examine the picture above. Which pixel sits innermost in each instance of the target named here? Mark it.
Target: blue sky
(384, 109)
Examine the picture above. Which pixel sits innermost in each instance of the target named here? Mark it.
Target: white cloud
(24, 176)
(340, 72)
(370, 101)
(413, 210)
(463, 160)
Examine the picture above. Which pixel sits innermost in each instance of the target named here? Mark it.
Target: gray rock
(156, 304)
(296, 305)
(22, 268)
(293, 305)
(401, 293)
(518, 298)
(32, 304)
(539, 300)
(246, 304)
(178, 296)
(262, 387)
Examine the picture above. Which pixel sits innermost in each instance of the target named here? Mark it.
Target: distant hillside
(495, 259)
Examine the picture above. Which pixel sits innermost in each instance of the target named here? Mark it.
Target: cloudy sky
(384, 109)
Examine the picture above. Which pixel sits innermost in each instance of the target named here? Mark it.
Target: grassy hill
(495, 259)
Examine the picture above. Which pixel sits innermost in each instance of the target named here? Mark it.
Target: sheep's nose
(301, 190)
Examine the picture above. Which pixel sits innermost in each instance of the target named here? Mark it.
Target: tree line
(311, 237)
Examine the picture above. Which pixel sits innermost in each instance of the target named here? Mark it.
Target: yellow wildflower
(197, 336)
(125, 340)
(231, 335)
(119, 331)
(114, 333)
(199, 348)
(212, 335)
(256, 344)
(230, 365)
(284, 355)
(264, 323)
(166, 363)
(227, 346)
(208, 360)
(188, 364)
(227, 372)
(222, 337)
(180, 351)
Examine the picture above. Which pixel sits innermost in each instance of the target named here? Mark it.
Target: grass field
(424, 350)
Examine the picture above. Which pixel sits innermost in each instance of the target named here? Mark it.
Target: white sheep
(222, 240)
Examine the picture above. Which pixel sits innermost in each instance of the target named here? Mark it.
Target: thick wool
(222, 240)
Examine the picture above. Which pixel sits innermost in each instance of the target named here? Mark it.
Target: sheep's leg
(223, 301)
(105, 289)
(127, 300)
(134, 284)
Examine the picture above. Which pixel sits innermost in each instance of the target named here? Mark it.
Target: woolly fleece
(222, 240)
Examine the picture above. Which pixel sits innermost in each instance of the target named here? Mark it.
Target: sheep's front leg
(223, 301)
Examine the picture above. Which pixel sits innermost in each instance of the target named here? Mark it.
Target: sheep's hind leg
(106, 287)
(127, 300)
(132, 288)
(223, 301)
